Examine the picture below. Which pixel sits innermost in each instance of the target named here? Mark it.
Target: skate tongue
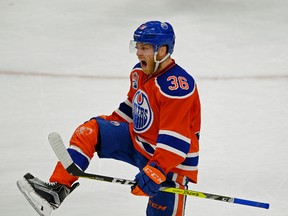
(74, 186)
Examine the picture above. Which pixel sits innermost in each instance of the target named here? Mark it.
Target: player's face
(145, 53)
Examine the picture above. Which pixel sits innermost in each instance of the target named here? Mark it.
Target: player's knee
(86, 137)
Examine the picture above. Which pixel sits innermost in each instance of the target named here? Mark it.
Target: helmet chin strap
(157, 63)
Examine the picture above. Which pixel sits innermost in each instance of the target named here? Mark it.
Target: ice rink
(63, 62)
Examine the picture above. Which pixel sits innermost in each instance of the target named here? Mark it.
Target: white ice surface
(62, 62)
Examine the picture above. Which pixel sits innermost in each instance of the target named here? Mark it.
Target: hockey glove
(148, 181)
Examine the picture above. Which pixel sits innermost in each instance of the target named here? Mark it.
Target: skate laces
(51, 184)
(48, 184)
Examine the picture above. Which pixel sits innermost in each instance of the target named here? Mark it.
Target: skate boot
(43, 196)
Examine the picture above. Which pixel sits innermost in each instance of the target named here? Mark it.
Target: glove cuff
(155, 173)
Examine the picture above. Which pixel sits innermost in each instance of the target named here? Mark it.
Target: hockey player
(155, 129)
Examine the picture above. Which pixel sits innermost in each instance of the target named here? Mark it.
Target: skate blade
(42, 207)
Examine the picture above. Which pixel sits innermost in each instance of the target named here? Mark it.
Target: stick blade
(60, 150)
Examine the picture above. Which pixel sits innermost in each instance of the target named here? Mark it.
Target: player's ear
(163, 50)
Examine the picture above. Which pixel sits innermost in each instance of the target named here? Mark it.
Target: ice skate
(43, 196)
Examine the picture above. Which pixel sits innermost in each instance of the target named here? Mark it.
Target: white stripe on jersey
(138, 141)
(187, 168)
(124, 116)
(143, 140)
(171, 149)
(128, 102)
(193, 154)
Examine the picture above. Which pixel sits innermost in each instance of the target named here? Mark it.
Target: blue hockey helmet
(156, 33)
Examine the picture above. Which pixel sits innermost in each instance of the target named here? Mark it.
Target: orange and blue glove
(148, 181)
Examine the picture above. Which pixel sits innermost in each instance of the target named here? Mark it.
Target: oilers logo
(142, 113)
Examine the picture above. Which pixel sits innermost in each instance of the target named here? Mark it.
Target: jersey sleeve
(176, 98)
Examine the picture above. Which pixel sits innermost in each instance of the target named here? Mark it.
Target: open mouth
(143, 64)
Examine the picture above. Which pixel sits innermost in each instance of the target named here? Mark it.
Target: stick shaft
(61, 152)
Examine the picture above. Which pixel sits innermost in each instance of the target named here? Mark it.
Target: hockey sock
(82, 148)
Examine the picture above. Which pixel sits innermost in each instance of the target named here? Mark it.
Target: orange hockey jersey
(165, 116)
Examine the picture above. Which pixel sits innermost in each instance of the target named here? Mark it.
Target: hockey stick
(61, 152)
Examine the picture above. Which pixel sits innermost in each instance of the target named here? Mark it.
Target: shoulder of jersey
(175, 83)
(137, 67)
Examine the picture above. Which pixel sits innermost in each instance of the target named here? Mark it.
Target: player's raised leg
(47, 196)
